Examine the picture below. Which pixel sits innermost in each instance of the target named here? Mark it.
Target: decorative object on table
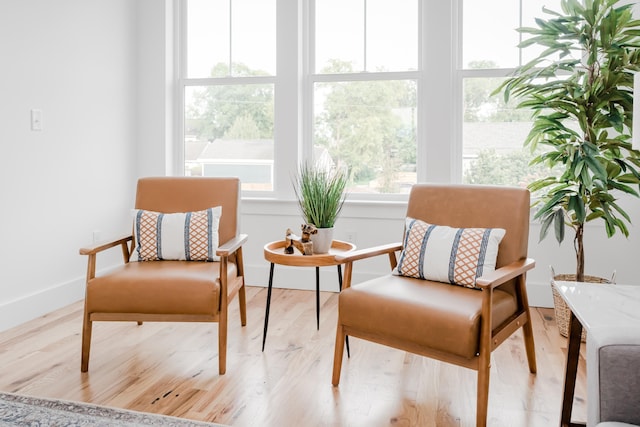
(320, 191)
(302, 243)
(580, 89)
(274, 254)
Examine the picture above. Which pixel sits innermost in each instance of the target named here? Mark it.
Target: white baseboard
(29, 307)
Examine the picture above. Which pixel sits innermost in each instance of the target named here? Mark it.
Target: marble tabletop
(602, 305)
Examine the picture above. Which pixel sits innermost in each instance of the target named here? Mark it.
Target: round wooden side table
(274, 253)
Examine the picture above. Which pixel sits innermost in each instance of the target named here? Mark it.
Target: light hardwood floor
(172, 369)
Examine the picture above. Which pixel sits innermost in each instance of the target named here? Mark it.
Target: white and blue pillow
(445, 254)
(185, 236)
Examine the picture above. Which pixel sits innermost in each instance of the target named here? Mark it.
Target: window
(359, 99)
(493, 131)
(396, 91)
(229, 90)
(365, 77)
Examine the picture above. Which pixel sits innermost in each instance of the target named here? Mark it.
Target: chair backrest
(472, 206)
(188, 194)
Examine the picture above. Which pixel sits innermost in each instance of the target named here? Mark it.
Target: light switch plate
(36, 119)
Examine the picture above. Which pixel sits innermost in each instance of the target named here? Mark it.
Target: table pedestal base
(266, 314)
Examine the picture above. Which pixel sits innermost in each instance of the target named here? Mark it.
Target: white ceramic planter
(322, 240)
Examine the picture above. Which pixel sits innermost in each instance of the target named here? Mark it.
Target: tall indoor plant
(580, 89)
(321, 194)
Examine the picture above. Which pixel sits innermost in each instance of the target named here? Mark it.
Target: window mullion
(364, 38)
(288, 100)
(230, 38)
(180, 68)
(366, 76)
(438, 97)
(305, 145)
(217, 81)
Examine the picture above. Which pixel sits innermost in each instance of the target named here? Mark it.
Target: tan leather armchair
(172, 291)
(450, 323)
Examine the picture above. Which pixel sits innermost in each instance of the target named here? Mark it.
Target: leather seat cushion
(158, 287)
(435, 315)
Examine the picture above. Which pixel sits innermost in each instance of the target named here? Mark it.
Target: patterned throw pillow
(445, 254)
(190, 236)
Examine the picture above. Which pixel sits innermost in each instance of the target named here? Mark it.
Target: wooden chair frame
(230, 251)
(176, 194)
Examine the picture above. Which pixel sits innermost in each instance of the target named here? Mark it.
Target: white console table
(598, 308)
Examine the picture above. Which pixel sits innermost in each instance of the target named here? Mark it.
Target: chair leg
(86, 344)
(527, 328)
(222, 344)
(484, 368)
(338, 353)
(529, 345)
(242, 300)
(242, 297)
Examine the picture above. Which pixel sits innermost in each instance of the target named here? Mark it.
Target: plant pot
(322, 240)
(560, 308)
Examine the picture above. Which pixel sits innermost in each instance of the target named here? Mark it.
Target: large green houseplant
(580, 90)
(321, 194)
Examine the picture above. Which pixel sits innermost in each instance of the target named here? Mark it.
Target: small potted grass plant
(321, 194)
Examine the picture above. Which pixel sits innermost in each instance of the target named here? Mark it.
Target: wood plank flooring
(172, 369)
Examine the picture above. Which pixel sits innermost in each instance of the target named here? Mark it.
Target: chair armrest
(368, 252)
(505, 273)
(91, 251)
(349, 257)
(99, 247)
(230, 246)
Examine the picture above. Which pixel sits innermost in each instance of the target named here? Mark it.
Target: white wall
(101, 72)
(74, 60)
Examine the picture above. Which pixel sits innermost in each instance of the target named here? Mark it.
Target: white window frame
(439, 123)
